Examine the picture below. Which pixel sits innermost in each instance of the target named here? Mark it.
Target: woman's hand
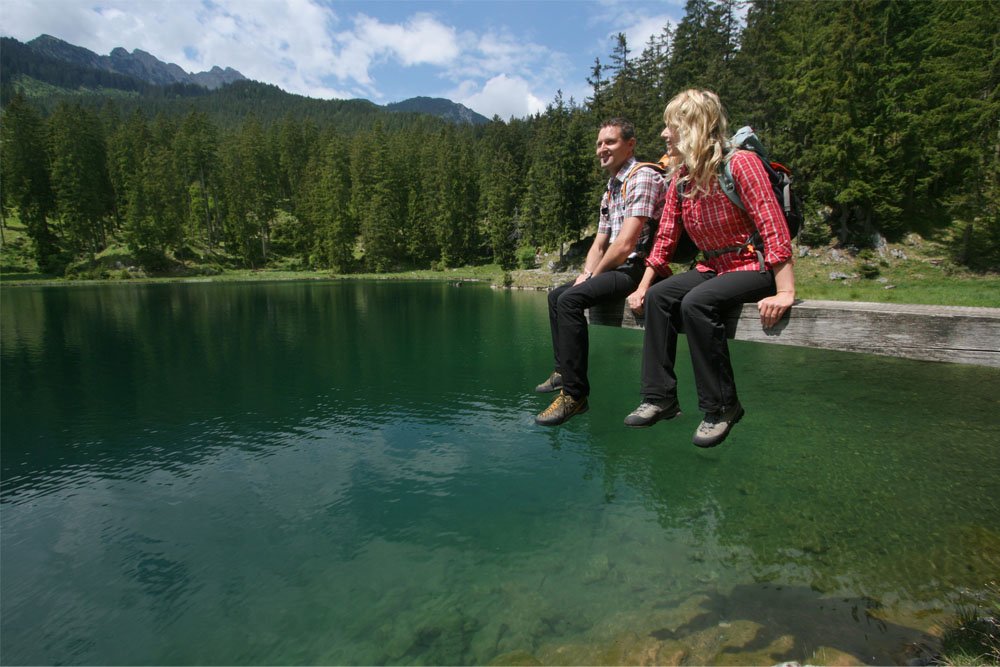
(772, 308)
(637, 300)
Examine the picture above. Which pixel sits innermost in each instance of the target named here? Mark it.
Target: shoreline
(904, 275)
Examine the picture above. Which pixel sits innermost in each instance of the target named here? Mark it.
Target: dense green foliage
(886, 110)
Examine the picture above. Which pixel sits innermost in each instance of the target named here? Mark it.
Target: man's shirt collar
(622, 171)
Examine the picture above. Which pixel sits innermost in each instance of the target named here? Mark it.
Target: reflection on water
(349, 473)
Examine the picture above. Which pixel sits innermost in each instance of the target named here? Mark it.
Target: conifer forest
(887, 112)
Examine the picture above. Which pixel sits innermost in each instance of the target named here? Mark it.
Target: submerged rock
(516, 658)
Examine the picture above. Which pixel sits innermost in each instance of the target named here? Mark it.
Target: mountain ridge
(441, 107)
(144, 67)
(138, 64)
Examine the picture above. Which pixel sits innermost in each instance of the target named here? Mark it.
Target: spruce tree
(377, 201)
(652, 72)
(79, 177)
(25, 176)
(326, 205)
(196, 145)
(251, 186)
(500, 188)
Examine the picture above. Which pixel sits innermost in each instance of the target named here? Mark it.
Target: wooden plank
(933, 333)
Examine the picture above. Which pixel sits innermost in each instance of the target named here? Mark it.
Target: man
(612, 270)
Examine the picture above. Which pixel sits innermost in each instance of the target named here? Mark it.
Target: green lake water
(349, 473)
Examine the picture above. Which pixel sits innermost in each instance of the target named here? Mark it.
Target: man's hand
(583, 277)
(772, 308)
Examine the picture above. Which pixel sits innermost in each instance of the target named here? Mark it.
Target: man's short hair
(627, 128)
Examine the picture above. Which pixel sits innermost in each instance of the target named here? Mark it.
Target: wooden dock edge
(955, 334)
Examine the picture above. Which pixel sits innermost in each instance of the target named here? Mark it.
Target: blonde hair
(701, 129)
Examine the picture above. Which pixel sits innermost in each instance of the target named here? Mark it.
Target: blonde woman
(746, 257)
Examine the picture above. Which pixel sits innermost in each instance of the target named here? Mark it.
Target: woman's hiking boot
(562, 408)
(650, 412)
(716, 426)
(554, 383)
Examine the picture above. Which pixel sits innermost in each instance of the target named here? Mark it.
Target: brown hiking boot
(562, 408)
(554, 383)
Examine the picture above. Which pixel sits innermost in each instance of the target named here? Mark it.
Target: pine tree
(763, 67)
(599, 86)
(25, 178)
(251, 186)
(560, 177)
(79, 177)
(196, 145)
(423, 205)
(156, 202)
(955, 116)
(126, 148)
(652, 70)
(703, 47)
(500, 191)
(326, 192)
(376, 200)
(456, 195)
(852, 119)
(623, 93)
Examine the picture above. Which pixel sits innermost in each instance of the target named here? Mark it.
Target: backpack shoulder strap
(660, 166)
(745, 139)
(727, 182)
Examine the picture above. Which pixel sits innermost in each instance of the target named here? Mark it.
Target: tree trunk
(843, 232)
(966, 244)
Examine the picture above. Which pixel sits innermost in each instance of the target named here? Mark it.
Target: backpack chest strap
(752, 244)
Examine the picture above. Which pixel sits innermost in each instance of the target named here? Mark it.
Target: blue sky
(503, 57)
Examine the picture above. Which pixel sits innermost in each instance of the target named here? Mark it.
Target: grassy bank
(973, 636)
(915, 271)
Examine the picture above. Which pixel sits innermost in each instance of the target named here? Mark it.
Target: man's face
(612, 150)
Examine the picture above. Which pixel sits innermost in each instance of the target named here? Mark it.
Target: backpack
(781, 182)
(779, 175)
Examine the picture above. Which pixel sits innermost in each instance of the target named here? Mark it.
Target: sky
(498, 57)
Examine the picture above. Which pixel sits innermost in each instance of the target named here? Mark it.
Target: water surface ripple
(349, 473)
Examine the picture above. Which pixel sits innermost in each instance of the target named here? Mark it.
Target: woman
(747, 256)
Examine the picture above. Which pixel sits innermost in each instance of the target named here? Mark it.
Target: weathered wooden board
(934, 333)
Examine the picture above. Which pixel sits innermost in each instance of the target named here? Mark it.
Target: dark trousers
(570, 339)
(699, 301)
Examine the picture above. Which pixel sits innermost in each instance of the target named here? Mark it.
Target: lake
(349, 473)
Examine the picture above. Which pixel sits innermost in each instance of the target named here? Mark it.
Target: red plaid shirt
(713, 222)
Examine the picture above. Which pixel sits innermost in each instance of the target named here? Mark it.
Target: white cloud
(422, 40)
(638, 34)
(503, 96)
(310, 47)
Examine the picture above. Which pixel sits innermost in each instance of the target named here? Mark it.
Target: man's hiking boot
(650, 412)
(564, 407)
(716, 426)
(554, 383)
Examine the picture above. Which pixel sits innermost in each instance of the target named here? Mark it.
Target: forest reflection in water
(348, 472)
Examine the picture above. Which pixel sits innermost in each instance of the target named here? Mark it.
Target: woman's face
(670, 138)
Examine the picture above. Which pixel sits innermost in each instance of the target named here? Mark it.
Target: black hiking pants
(700, 301)
(570, 339)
